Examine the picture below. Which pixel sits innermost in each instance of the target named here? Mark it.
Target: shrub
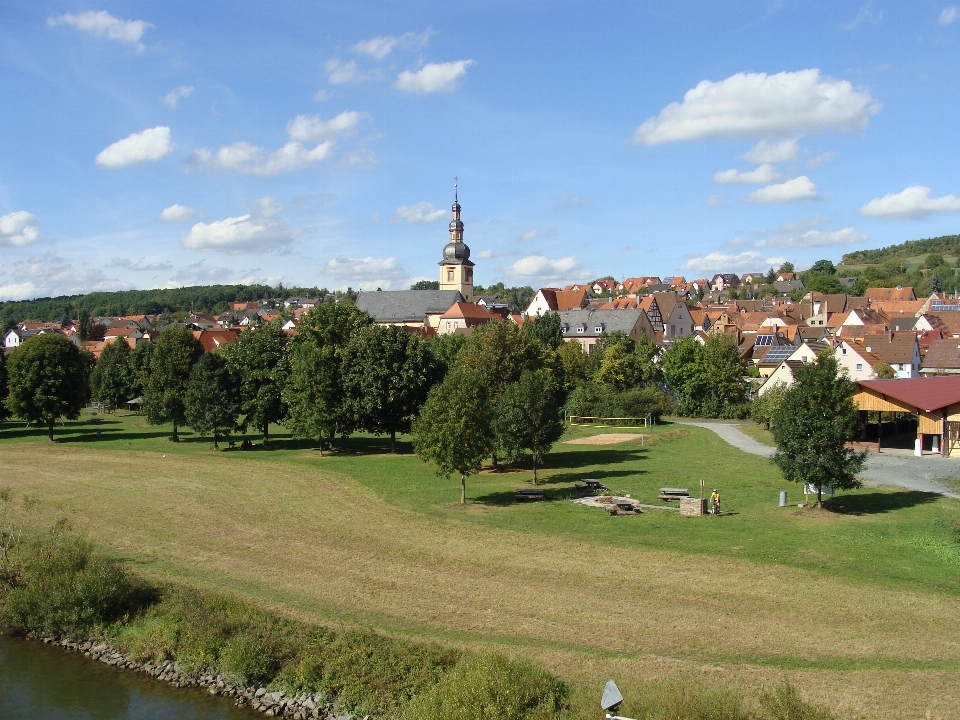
(250, 658)
(150, 638)
(599, 400)
(64, 587)
(492, 687)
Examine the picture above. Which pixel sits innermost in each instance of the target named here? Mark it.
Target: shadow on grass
(600, 475)
(503, 498)
(878, 502)
(587, 458)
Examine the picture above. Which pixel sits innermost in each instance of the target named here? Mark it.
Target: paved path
(895, 469)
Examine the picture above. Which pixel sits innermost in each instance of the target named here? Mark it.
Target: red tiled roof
(929, 394)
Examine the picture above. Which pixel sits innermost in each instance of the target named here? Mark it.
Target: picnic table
(622, 507)
(530, 494)
(673, 494)
(591, 485)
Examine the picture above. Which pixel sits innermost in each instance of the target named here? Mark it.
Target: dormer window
(598, 329)
(581, 329)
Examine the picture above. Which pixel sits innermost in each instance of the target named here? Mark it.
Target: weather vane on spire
(454, 188)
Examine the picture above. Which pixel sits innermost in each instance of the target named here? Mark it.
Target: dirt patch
(606, 439)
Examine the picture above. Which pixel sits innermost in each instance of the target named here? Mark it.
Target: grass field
(858, 605)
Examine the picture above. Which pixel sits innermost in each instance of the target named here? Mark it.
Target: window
(449, 275)
(448, 324)
(598, 329)
(580, 330)
(843, 351)
(859, 366)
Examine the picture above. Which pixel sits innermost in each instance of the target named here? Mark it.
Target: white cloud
(176, 95)
(800, 188)
(484, 255)
(866, 14)
(785, 238)
(712, 201)
(772, 151)
(720, 262)
(200, 273)
(360, 157)
(310, 128)
(247, 232)
(763, 174)
(104, 25)
(138, 148)
(244, 157)
(568, 202)
(822, 159)
(343, 73)
(178, 213)
(323, 95)
(19, 229)
(949, 15)
(138, 266)
(538, 270)
(529, 235)
(914, 202)
(750, 104)
(379, 47)
(49, 276)
(367, 272)
(421, 212)
(434, 77)
(268, 207)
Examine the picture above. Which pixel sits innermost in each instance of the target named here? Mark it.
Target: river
(40, 682)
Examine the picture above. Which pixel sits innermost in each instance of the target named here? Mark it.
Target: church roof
(386, 306)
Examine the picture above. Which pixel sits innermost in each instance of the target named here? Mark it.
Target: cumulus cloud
(19, 229)
(484, 255)
(866, 14)
(245, 233)
(176, 95)
(178, 213)
(529, 235)
(268, 207)
(821, 159)
(379, 47)
(750, 104)
(49, 276)
(347, 73)
(801, 239)
(539, 270)
(104, 25)
(772, 151)
(368, 272)
(434, 77)
(136, 149)
(323, 95)
(949, 15)
(311, 129)
(723, 262)
(244, 157)
(139, 265)
(763, 174)
(800, 188)
(914, 202)
(421, 212)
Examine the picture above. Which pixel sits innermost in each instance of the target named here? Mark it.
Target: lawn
(857, 605)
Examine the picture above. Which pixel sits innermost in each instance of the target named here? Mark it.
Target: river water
(40, 682)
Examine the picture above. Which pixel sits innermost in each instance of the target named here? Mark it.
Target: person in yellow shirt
(715, 502)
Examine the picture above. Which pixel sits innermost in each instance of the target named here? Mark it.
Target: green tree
(139, 367)
(785, 267)
(387, 375)
(722, 372)
(934, 260)
(625, 362)
(574, 363)
(171, 361)
(882, 371)
(452, 430)
(47, 380)
(826, 284)
(111, 382)
(3, 387)
(313, 391)
(445, 349)
(816, 420)
(822, 267)
(259, 358)
(682, 373)
(212, 402)
(528, 417)
(546, 329)
(426, 285)
(765, 408)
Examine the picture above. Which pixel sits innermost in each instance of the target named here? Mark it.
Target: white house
(12, 339)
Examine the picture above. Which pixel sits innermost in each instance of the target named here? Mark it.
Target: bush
(249, 658)
(62, 586)
(599, 400)
(492, 687)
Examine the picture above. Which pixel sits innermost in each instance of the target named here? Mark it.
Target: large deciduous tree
(47, 380)
(452, 430)
(259, 358)
(314, 392)
(528, 417)
(171, 361)
(3, 387)
(546, 329)
(816, 419)
(387, 374)
(112, 381)
(212, 402)
(706, 379)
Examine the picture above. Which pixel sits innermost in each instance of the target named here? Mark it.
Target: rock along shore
(271, 704)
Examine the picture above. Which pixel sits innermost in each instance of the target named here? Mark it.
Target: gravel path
(886, 468)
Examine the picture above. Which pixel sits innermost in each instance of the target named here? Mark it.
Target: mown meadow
(855, 604)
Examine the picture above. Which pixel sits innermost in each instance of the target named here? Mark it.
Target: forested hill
(202, 298)
(948, 244)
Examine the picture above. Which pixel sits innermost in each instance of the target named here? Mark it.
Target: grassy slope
(847, 603)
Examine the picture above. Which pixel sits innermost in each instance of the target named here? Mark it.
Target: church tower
(456, 270)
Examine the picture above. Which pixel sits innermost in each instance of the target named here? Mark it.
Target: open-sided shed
(934, 400)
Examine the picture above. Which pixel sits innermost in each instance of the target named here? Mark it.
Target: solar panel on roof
(778, 354)
(764, 340)
(940, 305)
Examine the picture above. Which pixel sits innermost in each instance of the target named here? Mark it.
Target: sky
(164, 144)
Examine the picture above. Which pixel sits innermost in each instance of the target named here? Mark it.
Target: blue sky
(154, 144)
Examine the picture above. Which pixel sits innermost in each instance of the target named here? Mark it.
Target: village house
(556, 300)
(587, 326)
(463, 317)
(897, 293)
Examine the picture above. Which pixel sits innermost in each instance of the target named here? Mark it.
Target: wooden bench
(673, 494)
(591, 485)
(530, 494)
(622, 508)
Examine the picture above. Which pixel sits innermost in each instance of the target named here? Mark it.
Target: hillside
(910, 252)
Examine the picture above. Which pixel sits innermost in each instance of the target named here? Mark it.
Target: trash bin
(783, 498)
